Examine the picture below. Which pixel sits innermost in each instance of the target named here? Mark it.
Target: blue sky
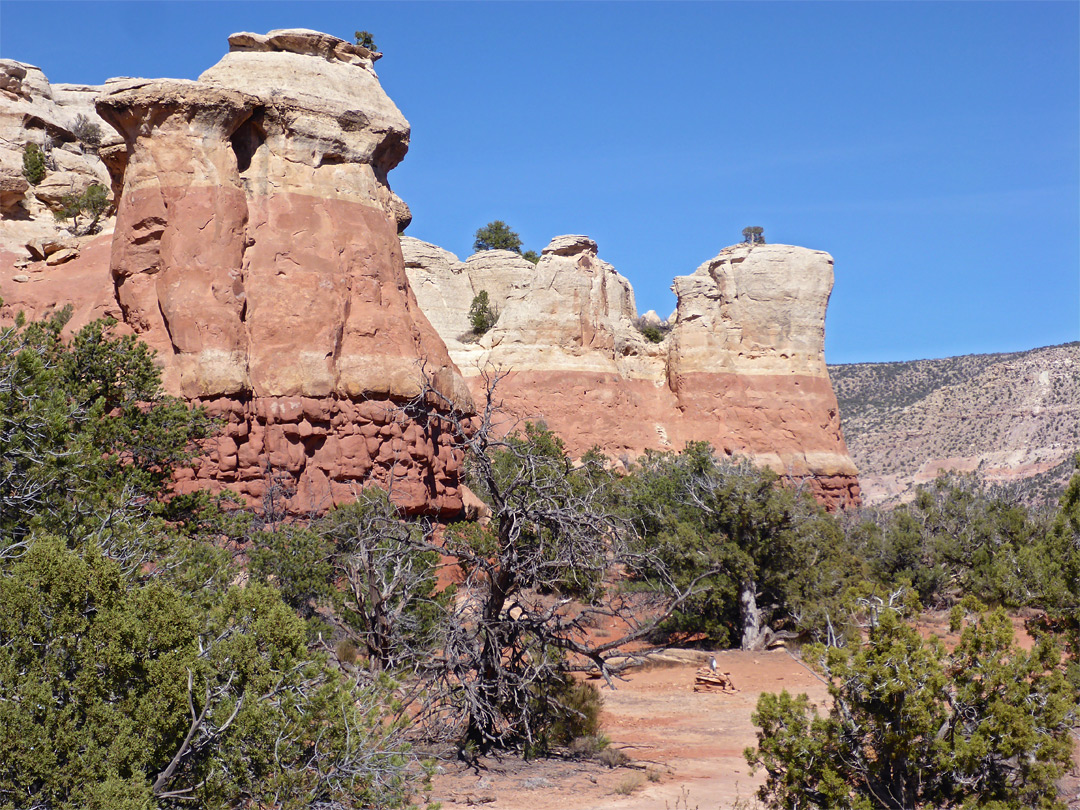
(932, 148)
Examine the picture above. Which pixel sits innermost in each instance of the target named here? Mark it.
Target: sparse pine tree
(33, 164)
(481, 315)
(365, 39)
(497, 235)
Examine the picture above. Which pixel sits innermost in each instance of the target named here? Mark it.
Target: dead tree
(535, 581)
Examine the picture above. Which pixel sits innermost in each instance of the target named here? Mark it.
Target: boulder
(13, 188)
(570, 245)
(650, 318)
(61, 256)
(43, 247)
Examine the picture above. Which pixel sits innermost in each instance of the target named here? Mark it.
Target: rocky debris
(707, 679)
(43, 247)
(61, 256)
(742, 367)
(83, 282)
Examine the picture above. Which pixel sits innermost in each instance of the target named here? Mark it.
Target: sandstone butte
(256, 248)
(742, 366)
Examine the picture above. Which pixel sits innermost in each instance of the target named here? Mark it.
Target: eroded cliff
(742, 366)
(255, 248)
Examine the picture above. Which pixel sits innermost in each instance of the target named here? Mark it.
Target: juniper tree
(912, 726)
(496, 235)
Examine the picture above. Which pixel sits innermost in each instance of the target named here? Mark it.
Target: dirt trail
(691, 742)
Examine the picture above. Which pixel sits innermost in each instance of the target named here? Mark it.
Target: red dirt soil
(690, 743)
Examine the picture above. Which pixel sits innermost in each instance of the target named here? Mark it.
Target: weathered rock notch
(742, 365)
(256, 250)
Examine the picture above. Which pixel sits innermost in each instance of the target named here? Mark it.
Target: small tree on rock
(481, 314)
(88, 132)
(365, 39)
(91, 205)
(33, 164)
(753, 235)
(497, 236)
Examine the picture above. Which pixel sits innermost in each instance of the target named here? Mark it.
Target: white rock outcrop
(742, 365)
(34, 112)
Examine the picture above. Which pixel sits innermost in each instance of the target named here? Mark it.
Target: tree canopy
(497, 235)
(913, 726)
(135, 670)
(753, 235)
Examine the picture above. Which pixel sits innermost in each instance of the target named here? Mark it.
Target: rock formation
(34, 112)
(742, 366)
(256, 250)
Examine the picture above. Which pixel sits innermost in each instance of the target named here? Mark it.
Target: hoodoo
(256, 250)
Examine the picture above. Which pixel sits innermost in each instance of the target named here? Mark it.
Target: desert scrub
(629, 783)
(33, 162)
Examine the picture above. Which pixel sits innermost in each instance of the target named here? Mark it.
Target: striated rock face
(256, 249)
(747, 359)
(742, 366)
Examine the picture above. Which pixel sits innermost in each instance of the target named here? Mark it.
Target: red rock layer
(788, 422)
(320, 451)
(262, 263)
(84, 282)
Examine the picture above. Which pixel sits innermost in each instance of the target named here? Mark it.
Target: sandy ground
(690, 742)
(685, 747)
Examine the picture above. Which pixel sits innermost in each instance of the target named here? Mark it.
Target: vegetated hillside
(1014, 418)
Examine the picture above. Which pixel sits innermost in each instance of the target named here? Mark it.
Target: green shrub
(91, 204)
(33, 162)
(652, 334)
(531, 256)
(629, 783)
(365, 39)
(481, 314)
(612, 757)
(913, 726)
(88, 132)
(497, 235)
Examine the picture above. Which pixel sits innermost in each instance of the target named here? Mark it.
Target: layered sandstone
(256, 250)
(33, 111)
(742, 366)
